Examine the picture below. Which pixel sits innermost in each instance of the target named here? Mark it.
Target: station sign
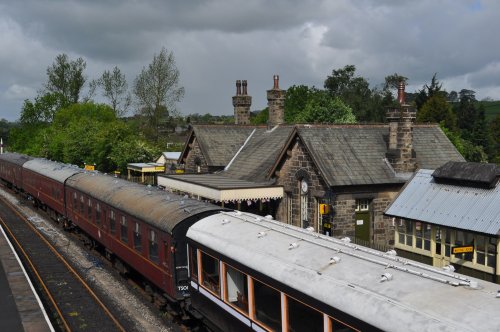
(462, 249)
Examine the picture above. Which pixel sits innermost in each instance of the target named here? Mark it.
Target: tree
(436, 109)
(428, 91)
(115, 89)
(42, 110)
(356, 93)
(66, 78)
(157, 90)
(323, 108)
(392, 81)
(494, 129)
(261, 117)
(296, 98)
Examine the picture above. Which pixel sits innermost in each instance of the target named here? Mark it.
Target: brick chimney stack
(400, 150)
(242, 102)
(276, 103)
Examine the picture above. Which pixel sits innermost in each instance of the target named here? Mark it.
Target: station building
(451, 216)
(293, 171)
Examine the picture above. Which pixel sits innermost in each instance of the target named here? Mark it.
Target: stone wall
(194, 159)
(297, 165)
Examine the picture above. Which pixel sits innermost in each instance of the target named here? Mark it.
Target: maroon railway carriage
(44, 181)
(11, 169)
(143, 226)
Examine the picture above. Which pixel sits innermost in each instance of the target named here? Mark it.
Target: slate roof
(355, 154)
(258, 155)
(219, 143)
(457, 206)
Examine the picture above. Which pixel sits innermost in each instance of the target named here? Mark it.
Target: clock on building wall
(303, 186)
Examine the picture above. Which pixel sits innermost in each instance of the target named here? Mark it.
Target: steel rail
(63, 260)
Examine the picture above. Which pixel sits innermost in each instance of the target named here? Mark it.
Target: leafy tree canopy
(66, 78)
(157, 91)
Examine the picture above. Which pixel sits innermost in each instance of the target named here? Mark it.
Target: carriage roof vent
(293, 245)
(334, 260)
(386, 277)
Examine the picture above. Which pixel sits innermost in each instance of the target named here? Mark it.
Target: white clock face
(303, 186)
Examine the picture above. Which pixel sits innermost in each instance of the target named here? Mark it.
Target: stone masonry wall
(299, 162)
(193, 154)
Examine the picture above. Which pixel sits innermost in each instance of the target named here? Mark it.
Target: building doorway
(362, 220)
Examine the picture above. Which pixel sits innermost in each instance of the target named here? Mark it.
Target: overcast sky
(217, 42)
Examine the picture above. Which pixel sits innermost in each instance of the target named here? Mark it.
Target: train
(238, 271)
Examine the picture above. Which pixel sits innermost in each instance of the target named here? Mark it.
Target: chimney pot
(238, 87)
(276, 79)
(401, 93)
(244, 84)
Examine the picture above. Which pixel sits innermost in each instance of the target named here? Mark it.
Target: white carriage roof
(420, 298)
(52, 169)
(450, 205)
(220, 188)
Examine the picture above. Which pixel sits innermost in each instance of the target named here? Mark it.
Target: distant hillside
(492, 108)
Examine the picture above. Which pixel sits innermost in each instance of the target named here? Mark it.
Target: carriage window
(137, 237)
(82, 204)
(75, 201)
(193, 263)
(303, 318)
(153, 247)
(123, 229)
(89, 209)
(210, 273)
(97, 213)
(338, 326)
(236, 288)
(112, 222)
(267, 305)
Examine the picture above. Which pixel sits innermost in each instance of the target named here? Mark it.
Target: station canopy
(220, 188)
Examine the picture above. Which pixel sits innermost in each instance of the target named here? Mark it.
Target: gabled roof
(258, 155)
(355, 154)
(449, 205)
(218, 143)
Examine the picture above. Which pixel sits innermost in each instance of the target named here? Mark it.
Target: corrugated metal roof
(52, 169)
(461, 207)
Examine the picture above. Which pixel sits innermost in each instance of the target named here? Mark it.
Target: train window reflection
(193, 260)
(337, 326)
(267, 305)
(97, 213)
(303, 318)
(153, 247)
(236, 289)
(112, 225)
(89, 210)
(124, 230)
(82, 204)
(137, 237)
(210, 273)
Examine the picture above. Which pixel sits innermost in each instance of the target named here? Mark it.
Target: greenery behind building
(62, 124)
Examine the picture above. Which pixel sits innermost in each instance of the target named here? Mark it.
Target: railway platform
(20, 306)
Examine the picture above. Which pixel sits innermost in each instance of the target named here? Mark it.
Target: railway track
(73, 304)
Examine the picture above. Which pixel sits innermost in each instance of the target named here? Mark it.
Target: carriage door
(362, 220)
